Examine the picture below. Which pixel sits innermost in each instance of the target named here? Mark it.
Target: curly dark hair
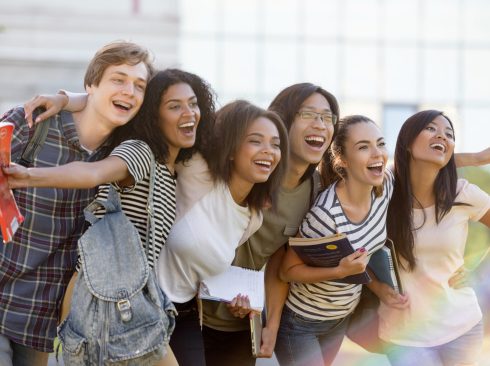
(146, 122)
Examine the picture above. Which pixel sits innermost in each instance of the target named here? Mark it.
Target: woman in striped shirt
(317, 310)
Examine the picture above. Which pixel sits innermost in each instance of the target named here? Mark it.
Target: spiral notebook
(384, 264)
(236, 280)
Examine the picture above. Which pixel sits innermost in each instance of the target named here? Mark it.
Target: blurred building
(382, 58)
(46, 45)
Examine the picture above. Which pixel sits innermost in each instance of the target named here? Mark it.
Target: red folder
(10, 216)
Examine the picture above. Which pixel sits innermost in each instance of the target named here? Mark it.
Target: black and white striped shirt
(137, 155)
(329, 300)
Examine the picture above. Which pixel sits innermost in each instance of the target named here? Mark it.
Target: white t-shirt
(438, 313)
(209, 227)
(328, 300)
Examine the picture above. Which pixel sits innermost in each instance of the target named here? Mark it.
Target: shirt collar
(66, 125)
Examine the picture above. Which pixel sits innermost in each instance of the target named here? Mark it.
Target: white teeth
(375, 165)
(438, 147)
(188, 124)
(315, 138)
(263, 162)
(123, 104)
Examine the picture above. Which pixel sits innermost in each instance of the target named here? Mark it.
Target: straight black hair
(400, 224)
(288, 102)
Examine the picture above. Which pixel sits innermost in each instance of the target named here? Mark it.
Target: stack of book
(327, 251)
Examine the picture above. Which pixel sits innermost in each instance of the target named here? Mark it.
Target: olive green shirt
(276, 228)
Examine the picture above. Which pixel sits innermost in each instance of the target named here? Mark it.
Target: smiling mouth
(376, 167)
(264, 163)
(438, 147)
(187, 127)
(122, 105)
(315, 141)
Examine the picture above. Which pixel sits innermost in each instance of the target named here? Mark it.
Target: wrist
(339, 272)
(273, 321)
(375, 286)
(34, 177)
(273, 327)
(63, 95)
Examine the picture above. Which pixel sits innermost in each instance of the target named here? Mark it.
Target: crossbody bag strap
(150, 223)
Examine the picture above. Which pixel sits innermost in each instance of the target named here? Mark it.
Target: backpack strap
(35, 143)
(112, 204)
(150, 223)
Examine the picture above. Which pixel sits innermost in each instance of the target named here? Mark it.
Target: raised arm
(276, 292)
(294, 269)
(73, 102)
(73, 175)
(472, 159)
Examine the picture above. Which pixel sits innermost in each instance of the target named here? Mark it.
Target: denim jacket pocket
(72, 342)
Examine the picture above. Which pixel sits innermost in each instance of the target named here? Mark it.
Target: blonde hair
(117, 53)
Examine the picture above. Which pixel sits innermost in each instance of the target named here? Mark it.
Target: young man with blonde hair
(36, 266)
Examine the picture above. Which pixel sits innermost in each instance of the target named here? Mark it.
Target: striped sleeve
(319, 221)
(137, 156)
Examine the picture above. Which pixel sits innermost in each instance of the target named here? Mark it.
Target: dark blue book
(384, 265)
(327, 251)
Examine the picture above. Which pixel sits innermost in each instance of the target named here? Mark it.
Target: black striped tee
(137, 155)
(329, 300)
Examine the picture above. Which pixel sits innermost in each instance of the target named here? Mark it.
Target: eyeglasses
(327, 118)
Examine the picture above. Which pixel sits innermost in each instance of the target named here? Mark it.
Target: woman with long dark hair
(428, 221)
